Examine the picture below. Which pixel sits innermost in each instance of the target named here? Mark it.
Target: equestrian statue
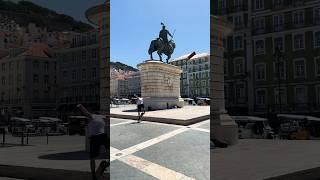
(162, 45)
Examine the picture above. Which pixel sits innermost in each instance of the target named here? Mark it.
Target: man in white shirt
(97, 134)
(140, 106)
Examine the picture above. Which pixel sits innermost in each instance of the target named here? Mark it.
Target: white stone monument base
(225, 129)
(157, 103)
(160, 85)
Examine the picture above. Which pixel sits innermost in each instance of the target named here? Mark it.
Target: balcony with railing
(228, 10)
(287, 108)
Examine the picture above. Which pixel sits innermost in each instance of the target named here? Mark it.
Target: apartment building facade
(78, 73)
(28, 82)
(100, 16)
(195, 79)
(285, 80)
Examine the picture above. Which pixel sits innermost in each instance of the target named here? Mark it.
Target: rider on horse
(162, 45)
(164, 34)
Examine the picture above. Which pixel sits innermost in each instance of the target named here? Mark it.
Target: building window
(279, 44)
(222, 4)
(35, 94)
(238, 66)
(317, 66)
(74, 75)
(279, 67)
(259, 4)
(84, 74)
(260, 72)
(299, 68)
(3, 80)
(298, 41)
(259, 49)
(3, 67)
(278, 22)
(94, 53)
(283, 96)
(317, 39)
(261, 97)
(259, 25)
(317, 15)
(318, 94)
(237, 4)
(46, 66)
(46, 79)
(240, 93)
(238, 43)
(301, 95)
(298, 18)
(19, 77)
(237, 20)
(36, 64)
(35, 78)
(277, 3)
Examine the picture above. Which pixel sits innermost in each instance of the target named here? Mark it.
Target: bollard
(47, 138)
(22, 138)
(27, 137)
(4, 137)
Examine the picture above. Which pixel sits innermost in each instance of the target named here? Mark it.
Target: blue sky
(134, 23)
(73, 8)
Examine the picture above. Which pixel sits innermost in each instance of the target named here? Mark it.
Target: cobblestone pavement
(149, 150)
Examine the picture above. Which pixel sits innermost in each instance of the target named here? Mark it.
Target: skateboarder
(98, 136)
(140, 107)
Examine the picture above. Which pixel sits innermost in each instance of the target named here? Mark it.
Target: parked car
(253, 127)
(19, 125)
(298, 127)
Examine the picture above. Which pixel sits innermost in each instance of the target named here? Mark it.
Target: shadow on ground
(7, 145)
(75, 155)
(130, 110)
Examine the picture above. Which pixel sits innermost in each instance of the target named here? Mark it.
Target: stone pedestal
(160, 85)
(223, 127)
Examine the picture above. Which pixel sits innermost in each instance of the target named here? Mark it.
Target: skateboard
(100, 171)
(139, 120)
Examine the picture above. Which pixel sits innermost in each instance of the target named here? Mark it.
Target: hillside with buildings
(123, 67)
(49, 63)
(25, 12)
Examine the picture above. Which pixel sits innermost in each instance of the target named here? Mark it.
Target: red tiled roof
(37, 50)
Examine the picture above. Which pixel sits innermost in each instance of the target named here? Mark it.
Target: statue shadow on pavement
(74, 155)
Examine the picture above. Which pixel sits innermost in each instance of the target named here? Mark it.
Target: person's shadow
(74, 155)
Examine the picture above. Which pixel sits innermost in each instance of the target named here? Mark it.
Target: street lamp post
(278, 54)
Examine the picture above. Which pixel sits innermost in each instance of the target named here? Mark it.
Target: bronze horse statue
(162, 48)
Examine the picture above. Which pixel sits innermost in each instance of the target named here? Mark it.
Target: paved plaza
(253, 159)
(182, 116)
(145, 150)
(149, 150)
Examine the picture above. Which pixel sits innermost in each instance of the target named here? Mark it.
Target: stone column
(160, 85)
(223, 127)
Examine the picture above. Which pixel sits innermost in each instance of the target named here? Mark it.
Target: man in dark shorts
(98, 136)
(140, 107)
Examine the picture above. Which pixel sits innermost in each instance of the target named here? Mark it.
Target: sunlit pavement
(150, 150)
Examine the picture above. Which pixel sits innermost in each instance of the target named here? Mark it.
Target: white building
(195, 77)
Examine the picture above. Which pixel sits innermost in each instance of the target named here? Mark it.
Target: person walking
(140, 107)
(98, 137)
